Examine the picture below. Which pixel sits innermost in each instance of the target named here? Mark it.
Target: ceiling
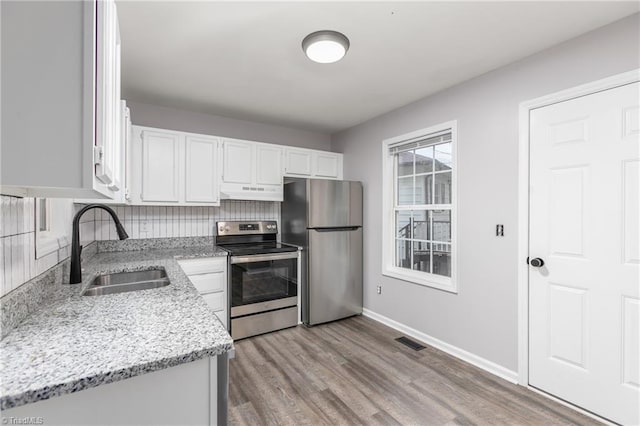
(244, 60)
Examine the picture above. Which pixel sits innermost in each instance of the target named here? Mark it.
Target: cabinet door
(201, 170)
(107, 95)
(327, 164)
(269, 165)
(238, 162)
(298, 162)
(160, 166)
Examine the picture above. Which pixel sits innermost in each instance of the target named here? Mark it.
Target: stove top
(257, 248)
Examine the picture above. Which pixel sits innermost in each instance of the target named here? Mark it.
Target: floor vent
(410, 343)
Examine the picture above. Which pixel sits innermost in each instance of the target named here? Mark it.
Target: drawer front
(216, 301)
(253, 325)
(204, 266)
(209, 283)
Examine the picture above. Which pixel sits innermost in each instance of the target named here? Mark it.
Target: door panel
(327, 165)
(160, 166)
(298, 162)
(584, 223)
(201, 170)
(238, 162)
(334, 203)
(269, 165)
(334, 275)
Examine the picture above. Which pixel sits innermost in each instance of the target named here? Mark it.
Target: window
(419, 207)
(52, 218)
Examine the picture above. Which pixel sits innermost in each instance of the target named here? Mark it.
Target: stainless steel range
(263, 277)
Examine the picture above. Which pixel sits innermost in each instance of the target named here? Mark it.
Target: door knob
(536, 262)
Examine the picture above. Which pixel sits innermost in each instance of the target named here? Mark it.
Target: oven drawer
(252, 325)
(203, 266)
(209, 283)
(216, 301)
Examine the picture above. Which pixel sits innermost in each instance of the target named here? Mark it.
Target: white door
(238, 162)
(269, 165)
(584, 224)
(201, 169)
(327, 165)
(160, 166)
(298, 162)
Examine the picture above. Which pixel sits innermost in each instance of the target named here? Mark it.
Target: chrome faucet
(76, 248)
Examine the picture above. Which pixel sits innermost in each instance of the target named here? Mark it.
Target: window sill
(421, 278)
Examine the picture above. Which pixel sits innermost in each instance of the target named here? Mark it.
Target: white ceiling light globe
(325, 47)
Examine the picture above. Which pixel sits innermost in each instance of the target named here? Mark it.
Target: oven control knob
(226, 228)
(221, 228)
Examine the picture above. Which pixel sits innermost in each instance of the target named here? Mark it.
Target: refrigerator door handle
(335, 229)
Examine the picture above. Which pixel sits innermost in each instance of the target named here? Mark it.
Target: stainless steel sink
(121, 282)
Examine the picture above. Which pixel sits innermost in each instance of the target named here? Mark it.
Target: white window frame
(388, 211)
(56, 235)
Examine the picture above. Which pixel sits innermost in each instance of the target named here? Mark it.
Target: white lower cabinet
(174, 168)
(209, 277)
(187, 394)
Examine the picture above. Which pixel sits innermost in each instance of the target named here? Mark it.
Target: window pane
(405, 191)
(443, 188)
(403, 254)
(405, 163)
(423, 189)
(421, 256)
(442, 259)
(424, 160)
(403, 224)
(443, 157)
(421, 226)
(441, 225)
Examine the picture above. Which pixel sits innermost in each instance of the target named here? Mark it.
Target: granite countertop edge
(76, 320)
(47, 392)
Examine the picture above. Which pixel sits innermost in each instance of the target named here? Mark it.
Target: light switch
(499, 230)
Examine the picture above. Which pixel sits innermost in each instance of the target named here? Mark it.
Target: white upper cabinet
(297, 162)
(327, 165)
(238, 161)
(201, 161)
(108, 107)
(61, 101)
(310, 163)
(160, 166)
(174, 168)
(252, 171)
(268, 164)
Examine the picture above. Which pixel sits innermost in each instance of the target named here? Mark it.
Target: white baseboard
(485, 364)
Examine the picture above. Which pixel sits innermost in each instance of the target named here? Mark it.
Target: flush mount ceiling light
(326, 46)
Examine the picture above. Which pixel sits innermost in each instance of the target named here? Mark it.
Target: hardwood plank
(354, 372)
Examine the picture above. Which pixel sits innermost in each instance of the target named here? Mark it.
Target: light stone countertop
(78, 342)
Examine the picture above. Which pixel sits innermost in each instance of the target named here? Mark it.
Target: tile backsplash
(167, 222)
(18, 263)
(17, 230)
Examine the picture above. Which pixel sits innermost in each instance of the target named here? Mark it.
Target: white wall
(482, 317)
(195, 122)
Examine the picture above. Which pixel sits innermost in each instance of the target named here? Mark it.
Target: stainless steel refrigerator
(324, 217)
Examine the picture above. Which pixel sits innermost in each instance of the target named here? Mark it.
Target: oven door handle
(263, 257)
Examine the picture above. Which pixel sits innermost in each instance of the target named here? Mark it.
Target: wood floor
(354, 372)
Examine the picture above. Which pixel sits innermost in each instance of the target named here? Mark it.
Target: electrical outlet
(379, 289)
(144, 226)
(499, 230)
